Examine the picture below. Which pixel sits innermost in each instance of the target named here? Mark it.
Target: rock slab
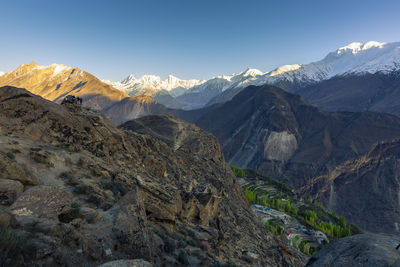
(359, 250)
(9, 191)
(43, 201)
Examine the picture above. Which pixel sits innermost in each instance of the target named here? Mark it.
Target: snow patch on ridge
(57, 68)
(283, 69)
(152, 84)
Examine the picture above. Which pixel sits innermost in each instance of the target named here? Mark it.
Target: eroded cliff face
(365, 190)
(280, 146)
(167, 197)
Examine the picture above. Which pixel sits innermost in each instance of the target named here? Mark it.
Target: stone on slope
(127, 263)
(131, 227)
(12, 171)
(9, 191)
(43, 201)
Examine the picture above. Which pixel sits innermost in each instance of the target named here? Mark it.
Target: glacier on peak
(283, 69)
(355, 47)
(355, 58)
(251, 72)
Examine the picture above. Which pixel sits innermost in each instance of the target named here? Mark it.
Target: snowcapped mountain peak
(284, 69)
(172, 77)
(356, 47)
(355, 58)
(128, 79)
(150, 79)
(353, 47)
(152, 84)
(371, 44)
(252, 72)
(1, 73)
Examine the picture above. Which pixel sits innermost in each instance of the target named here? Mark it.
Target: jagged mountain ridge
(189, 94)
(356, 59)
(55, 81)
(151, 84)
(168, 200)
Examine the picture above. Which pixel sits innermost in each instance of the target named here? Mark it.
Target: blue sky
(186, 38)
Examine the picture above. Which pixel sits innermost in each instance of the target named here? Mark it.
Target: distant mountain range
(355, 59)
(56, 81)
(353, 78)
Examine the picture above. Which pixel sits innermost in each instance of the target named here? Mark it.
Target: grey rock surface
(9, 191)
(43, 201)
(359, 250)
(127, 263)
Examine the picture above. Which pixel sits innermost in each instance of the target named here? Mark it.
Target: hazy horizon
(190, 40)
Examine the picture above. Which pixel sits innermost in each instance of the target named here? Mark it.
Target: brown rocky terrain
(56, 81)
(78, 191)
(364, 190)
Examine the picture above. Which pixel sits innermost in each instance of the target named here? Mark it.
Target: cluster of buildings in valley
(295, 232)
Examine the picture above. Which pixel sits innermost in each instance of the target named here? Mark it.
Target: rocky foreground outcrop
(94, 193)
(359, 250)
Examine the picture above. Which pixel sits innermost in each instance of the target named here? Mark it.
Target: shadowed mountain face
(132, 108)
(364, 190)
(375, 92)
(359, 250)
(281, 135)
(102, 188)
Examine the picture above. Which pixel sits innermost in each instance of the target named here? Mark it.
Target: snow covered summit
(355, 58)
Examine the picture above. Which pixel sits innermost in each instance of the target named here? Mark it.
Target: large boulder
(127, 263)
(43, 201)
(131, 227)
(9, 191)
(359, 250)
(12, 171)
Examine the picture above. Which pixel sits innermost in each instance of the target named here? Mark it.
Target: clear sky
(186, 38)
